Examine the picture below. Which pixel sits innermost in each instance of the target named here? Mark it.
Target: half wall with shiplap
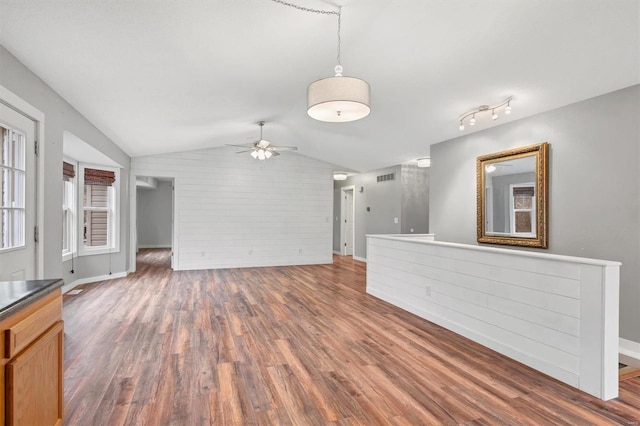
(234, 211)
(557, 314)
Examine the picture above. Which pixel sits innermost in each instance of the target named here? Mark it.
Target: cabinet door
(34, 388)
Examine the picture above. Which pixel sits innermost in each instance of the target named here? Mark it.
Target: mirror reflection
(512, 197)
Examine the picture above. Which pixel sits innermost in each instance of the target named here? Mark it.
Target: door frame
(133, 218)
(21, 106)
(343, 190)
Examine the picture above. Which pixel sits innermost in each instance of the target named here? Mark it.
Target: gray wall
(154, 215)
(414, 218)
(60, 116)
(405, 198)
(594, 192)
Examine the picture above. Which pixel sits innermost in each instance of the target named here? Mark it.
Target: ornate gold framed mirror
(512, 195)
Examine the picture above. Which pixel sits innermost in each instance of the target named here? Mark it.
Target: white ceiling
(169, 75)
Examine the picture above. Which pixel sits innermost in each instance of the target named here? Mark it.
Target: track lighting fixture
(506, 105)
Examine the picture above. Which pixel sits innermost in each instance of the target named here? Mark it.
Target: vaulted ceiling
(162, 76)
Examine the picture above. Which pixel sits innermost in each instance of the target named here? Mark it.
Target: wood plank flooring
(299, 345)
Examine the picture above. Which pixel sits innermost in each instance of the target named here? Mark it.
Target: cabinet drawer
(20, 335)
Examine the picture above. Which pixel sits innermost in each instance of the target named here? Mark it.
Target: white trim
(343, 190)
(68, 287)
(361, 259)
(133, 217)
(25, 108)
(73, 232)
(523, 253)
(629, 352)
(337, 252)
(155, 246)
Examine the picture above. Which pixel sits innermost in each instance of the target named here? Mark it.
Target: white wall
(154, 215)
(594, 194)
(234, 211)
(60, 116)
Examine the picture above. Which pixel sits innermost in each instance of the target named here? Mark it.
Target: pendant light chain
(335, 99)
(339, 39)
(321, 12)
(307, 9)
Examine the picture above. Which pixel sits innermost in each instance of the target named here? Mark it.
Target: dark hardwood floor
(299, 345)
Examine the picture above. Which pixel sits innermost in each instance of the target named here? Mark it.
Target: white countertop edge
(525, 253)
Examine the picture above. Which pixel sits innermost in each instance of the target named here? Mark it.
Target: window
(523, 209)
(99, 228)
(12, 185)
(68, 210)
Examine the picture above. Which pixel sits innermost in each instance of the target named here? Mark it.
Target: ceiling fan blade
(284, 148)
(241, 152)
(274, 153)
(246, 145)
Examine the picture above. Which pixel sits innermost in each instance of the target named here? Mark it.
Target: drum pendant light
(335, 99)
(339, 98)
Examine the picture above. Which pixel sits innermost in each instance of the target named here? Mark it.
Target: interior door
(18, 191)
(348, 238)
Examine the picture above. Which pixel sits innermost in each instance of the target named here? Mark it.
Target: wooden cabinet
(32, 367)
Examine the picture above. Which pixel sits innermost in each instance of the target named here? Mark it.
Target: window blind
(99, 177)
(523, 191)
(68, 171)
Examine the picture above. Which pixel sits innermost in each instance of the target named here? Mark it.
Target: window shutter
(523, 191)
(68, 171)
(98, 177)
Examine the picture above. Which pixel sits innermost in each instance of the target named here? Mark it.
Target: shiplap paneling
(557, 314)
(234, 211)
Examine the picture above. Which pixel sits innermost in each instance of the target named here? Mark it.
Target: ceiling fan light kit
(262, 149)
(337, 99)
(505, 105)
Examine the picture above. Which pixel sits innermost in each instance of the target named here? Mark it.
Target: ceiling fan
(262, 149)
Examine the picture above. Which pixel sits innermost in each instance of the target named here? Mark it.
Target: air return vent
(384, 178)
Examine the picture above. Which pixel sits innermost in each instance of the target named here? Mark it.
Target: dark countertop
(15, 295)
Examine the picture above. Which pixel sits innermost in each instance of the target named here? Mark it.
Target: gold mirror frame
(541, 154)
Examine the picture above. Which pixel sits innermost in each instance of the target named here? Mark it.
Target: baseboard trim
(361, 259)
(337, 252)
(154, 246)
(72, 285)
(629, 352)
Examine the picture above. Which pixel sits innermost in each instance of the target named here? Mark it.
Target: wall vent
(384, 178)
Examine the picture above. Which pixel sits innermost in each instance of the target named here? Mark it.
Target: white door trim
(353, 218)
(15, 102)
(133, 218)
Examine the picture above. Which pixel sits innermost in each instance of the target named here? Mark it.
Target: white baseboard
(154, 246)
(72, 285)
(629, 352)
(361, 259)
(337, 252)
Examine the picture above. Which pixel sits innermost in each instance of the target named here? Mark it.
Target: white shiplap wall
(557, 314)
(234, 211)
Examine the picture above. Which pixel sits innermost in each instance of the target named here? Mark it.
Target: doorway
(154, 217)
(347, 222)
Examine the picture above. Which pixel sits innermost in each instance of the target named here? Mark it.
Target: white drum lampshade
(338, 99)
